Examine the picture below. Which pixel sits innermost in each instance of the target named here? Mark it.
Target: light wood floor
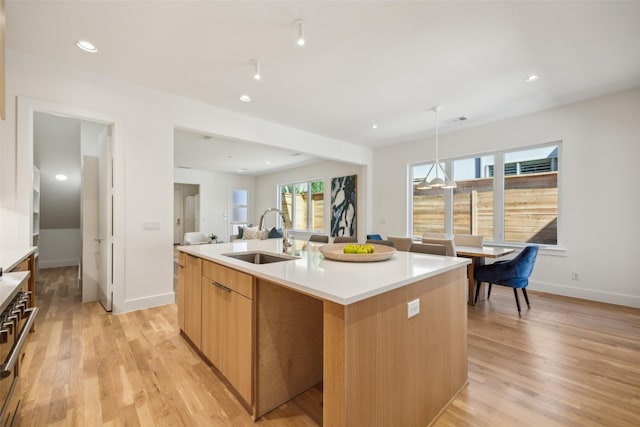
(566, 362)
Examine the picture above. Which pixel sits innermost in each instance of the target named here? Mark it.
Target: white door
(177, 216)
(90, 231)
(105, 235)
(189, 214)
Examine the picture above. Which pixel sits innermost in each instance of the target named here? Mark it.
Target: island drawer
(242, 283)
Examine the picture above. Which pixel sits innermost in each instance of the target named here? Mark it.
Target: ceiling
(193, 150)
(364, 63)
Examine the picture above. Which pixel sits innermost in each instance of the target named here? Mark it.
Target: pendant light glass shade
(439, 181)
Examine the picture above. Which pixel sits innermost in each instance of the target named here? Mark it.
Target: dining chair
(322, 238)
(401, 243)
(447, 243)
(514, 273)
(428, 248)
(381, 242)
(345, 239)
(474, 240)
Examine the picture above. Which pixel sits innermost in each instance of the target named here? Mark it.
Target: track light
(256, 69)
(300, 24)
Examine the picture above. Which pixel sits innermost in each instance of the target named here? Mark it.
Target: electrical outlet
(413, 308)
(575, 276)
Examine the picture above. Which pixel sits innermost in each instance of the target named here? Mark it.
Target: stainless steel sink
(260, 257)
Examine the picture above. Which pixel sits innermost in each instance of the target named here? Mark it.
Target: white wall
(267, 190)
(144, 122)
(60, 247)
(214, 197)
(599, 187)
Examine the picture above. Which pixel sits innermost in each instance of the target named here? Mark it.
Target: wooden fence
(317, 206)
(530, 206)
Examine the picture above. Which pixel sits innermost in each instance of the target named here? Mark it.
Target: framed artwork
(344, 198)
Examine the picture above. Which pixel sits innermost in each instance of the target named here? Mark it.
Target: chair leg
(526, 297)
(515, 292)
(475, 300)
(489, 291)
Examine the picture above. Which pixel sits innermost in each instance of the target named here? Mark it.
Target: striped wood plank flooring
(566, 362)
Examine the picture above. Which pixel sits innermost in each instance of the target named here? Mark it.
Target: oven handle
(14, 355)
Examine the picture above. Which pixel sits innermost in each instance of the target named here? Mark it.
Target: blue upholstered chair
(374, 237)
(514, 273)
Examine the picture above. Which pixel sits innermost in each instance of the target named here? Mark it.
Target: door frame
(177, 204)
(26, 107)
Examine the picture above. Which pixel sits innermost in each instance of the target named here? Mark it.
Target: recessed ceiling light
(242, 170)
(374, 126)
(531, 78)
(62, 177)
(245, 98)
(86, 46)
(267, 162)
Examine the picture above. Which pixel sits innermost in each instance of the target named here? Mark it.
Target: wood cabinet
(192, 303)
(181, 266)
(227, 325)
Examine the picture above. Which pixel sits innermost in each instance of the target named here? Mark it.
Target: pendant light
(439, 181)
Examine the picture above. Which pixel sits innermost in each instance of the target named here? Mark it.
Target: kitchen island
(274, 330)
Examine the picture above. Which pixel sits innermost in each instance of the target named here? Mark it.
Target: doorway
(186, 210)
(72, 213)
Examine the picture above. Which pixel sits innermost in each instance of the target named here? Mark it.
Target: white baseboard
(142, 303)
(58, 263)
(588, 294)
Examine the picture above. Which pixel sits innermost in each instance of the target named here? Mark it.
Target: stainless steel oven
(16, 320)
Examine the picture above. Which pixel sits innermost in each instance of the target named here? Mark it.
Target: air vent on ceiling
(459, 119)
(184, 167)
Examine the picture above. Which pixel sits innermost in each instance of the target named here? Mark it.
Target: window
(239, 208)
(302, 204)
(517, 205)
(428, 205)
(473, 199)
(531, 195)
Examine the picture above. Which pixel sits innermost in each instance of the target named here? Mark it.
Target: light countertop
(341, 282)
(9, 258)
(10, 285)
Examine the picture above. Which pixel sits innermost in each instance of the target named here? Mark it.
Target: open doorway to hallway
(186, 211)
(72, 207)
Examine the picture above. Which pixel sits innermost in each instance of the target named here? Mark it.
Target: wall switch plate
(151, 225)
(413, 308)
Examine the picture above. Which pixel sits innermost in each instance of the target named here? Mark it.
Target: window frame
(499, 194)
(309, 207)
(233, 223)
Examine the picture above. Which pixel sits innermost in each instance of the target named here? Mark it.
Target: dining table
(478, 255)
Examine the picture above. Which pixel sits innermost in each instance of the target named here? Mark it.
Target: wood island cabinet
(181, 266)
(227, 325)
(271, 340)
(191, 302)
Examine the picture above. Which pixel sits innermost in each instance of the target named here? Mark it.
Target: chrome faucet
(285, 241)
